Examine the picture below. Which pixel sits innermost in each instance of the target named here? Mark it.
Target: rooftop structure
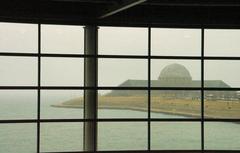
(176, 75)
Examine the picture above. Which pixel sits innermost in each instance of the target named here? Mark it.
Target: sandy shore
(185, 107)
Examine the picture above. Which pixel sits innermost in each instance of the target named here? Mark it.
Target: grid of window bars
(149, 120)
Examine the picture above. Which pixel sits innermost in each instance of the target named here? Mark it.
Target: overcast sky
(112, 72)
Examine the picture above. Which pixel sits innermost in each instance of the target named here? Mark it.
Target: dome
(175, 71)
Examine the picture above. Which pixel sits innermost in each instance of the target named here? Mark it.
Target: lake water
(21, 138)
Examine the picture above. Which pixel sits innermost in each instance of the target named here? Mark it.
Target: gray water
(21, 138)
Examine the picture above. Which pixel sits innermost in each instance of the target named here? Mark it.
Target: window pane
(18, 71)
(62, 72)
(122, 136)
(172, 42)
(61, 104)
(18, 104)
(123, 41)
(16, 138)
(221, 74)
(62, 39)
(16, 37)
(176, 73)
(122, 104)
(61, 137)
(222, 42)
(222, 136)
(175, 103)
(122, 72)
(175, 136)
(222, 104)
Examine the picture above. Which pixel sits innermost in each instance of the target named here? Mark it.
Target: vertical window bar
(202, 89)
(96, 88)
(149, 88)
(39, 85)
(84, 85)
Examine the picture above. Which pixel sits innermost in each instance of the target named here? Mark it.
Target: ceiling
(159, 13)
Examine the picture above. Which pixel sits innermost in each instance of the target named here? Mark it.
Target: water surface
(21, 138)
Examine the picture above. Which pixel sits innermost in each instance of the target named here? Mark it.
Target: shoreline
(183, 107)
(184, 114)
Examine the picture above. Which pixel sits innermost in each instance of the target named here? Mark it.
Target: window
(156, 89)
(35, 78)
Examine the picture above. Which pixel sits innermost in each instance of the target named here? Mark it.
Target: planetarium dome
(175, 71)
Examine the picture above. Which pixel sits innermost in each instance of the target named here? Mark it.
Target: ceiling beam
(87, 1)
(126, 4)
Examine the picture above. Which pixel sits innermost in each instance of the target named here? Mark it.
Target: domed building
(175, 71)
(176, 75)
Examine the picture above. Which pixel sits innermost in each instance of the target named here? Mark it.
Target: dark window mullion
(39, 88)
(202, 89)
(149, 88)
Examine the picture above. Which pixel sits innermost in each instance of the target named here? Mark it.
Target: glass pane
(16, 138)
(221, 73)
(61, 104)
(222, 104)
(175, 136)
(122, 104)
(122, 72)
(122, 136)
(62, 39)
(18, 71)
(175, 103)
(175, 73)
(123, 41)
(17, 37)
(222, 136)
(176, 42)
(18, 104)
(222, 42)
(61, 137)
(62, 72)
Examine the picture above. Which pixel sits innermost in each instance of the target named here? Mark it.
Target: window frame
(147, 120)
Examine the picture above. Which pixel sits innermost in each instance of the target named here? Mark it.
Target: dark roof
(165, 13)
(157, 83)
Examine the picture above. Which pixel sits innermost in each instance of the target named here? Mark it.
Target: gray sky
(112, 72)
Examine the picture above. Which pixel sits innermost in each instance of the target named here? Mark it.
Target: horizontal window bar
(64, 55)
(65, 87)
(175, 88)
(177, 57)
(118, 56)
(222, 89)
(123, 56)
(146, 120)
(44, 55)
(221, 58)
(123, 24)
(154, 151)
(146, 88)
(19, 54)
(18, 121)
(112, 88)
(94, 88)
(18, 87)
(222, 120)
(121, 120)
(175, 120)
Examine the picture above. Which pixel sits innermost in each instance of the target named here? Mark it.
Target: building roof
(157, 83)
(175, 75)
